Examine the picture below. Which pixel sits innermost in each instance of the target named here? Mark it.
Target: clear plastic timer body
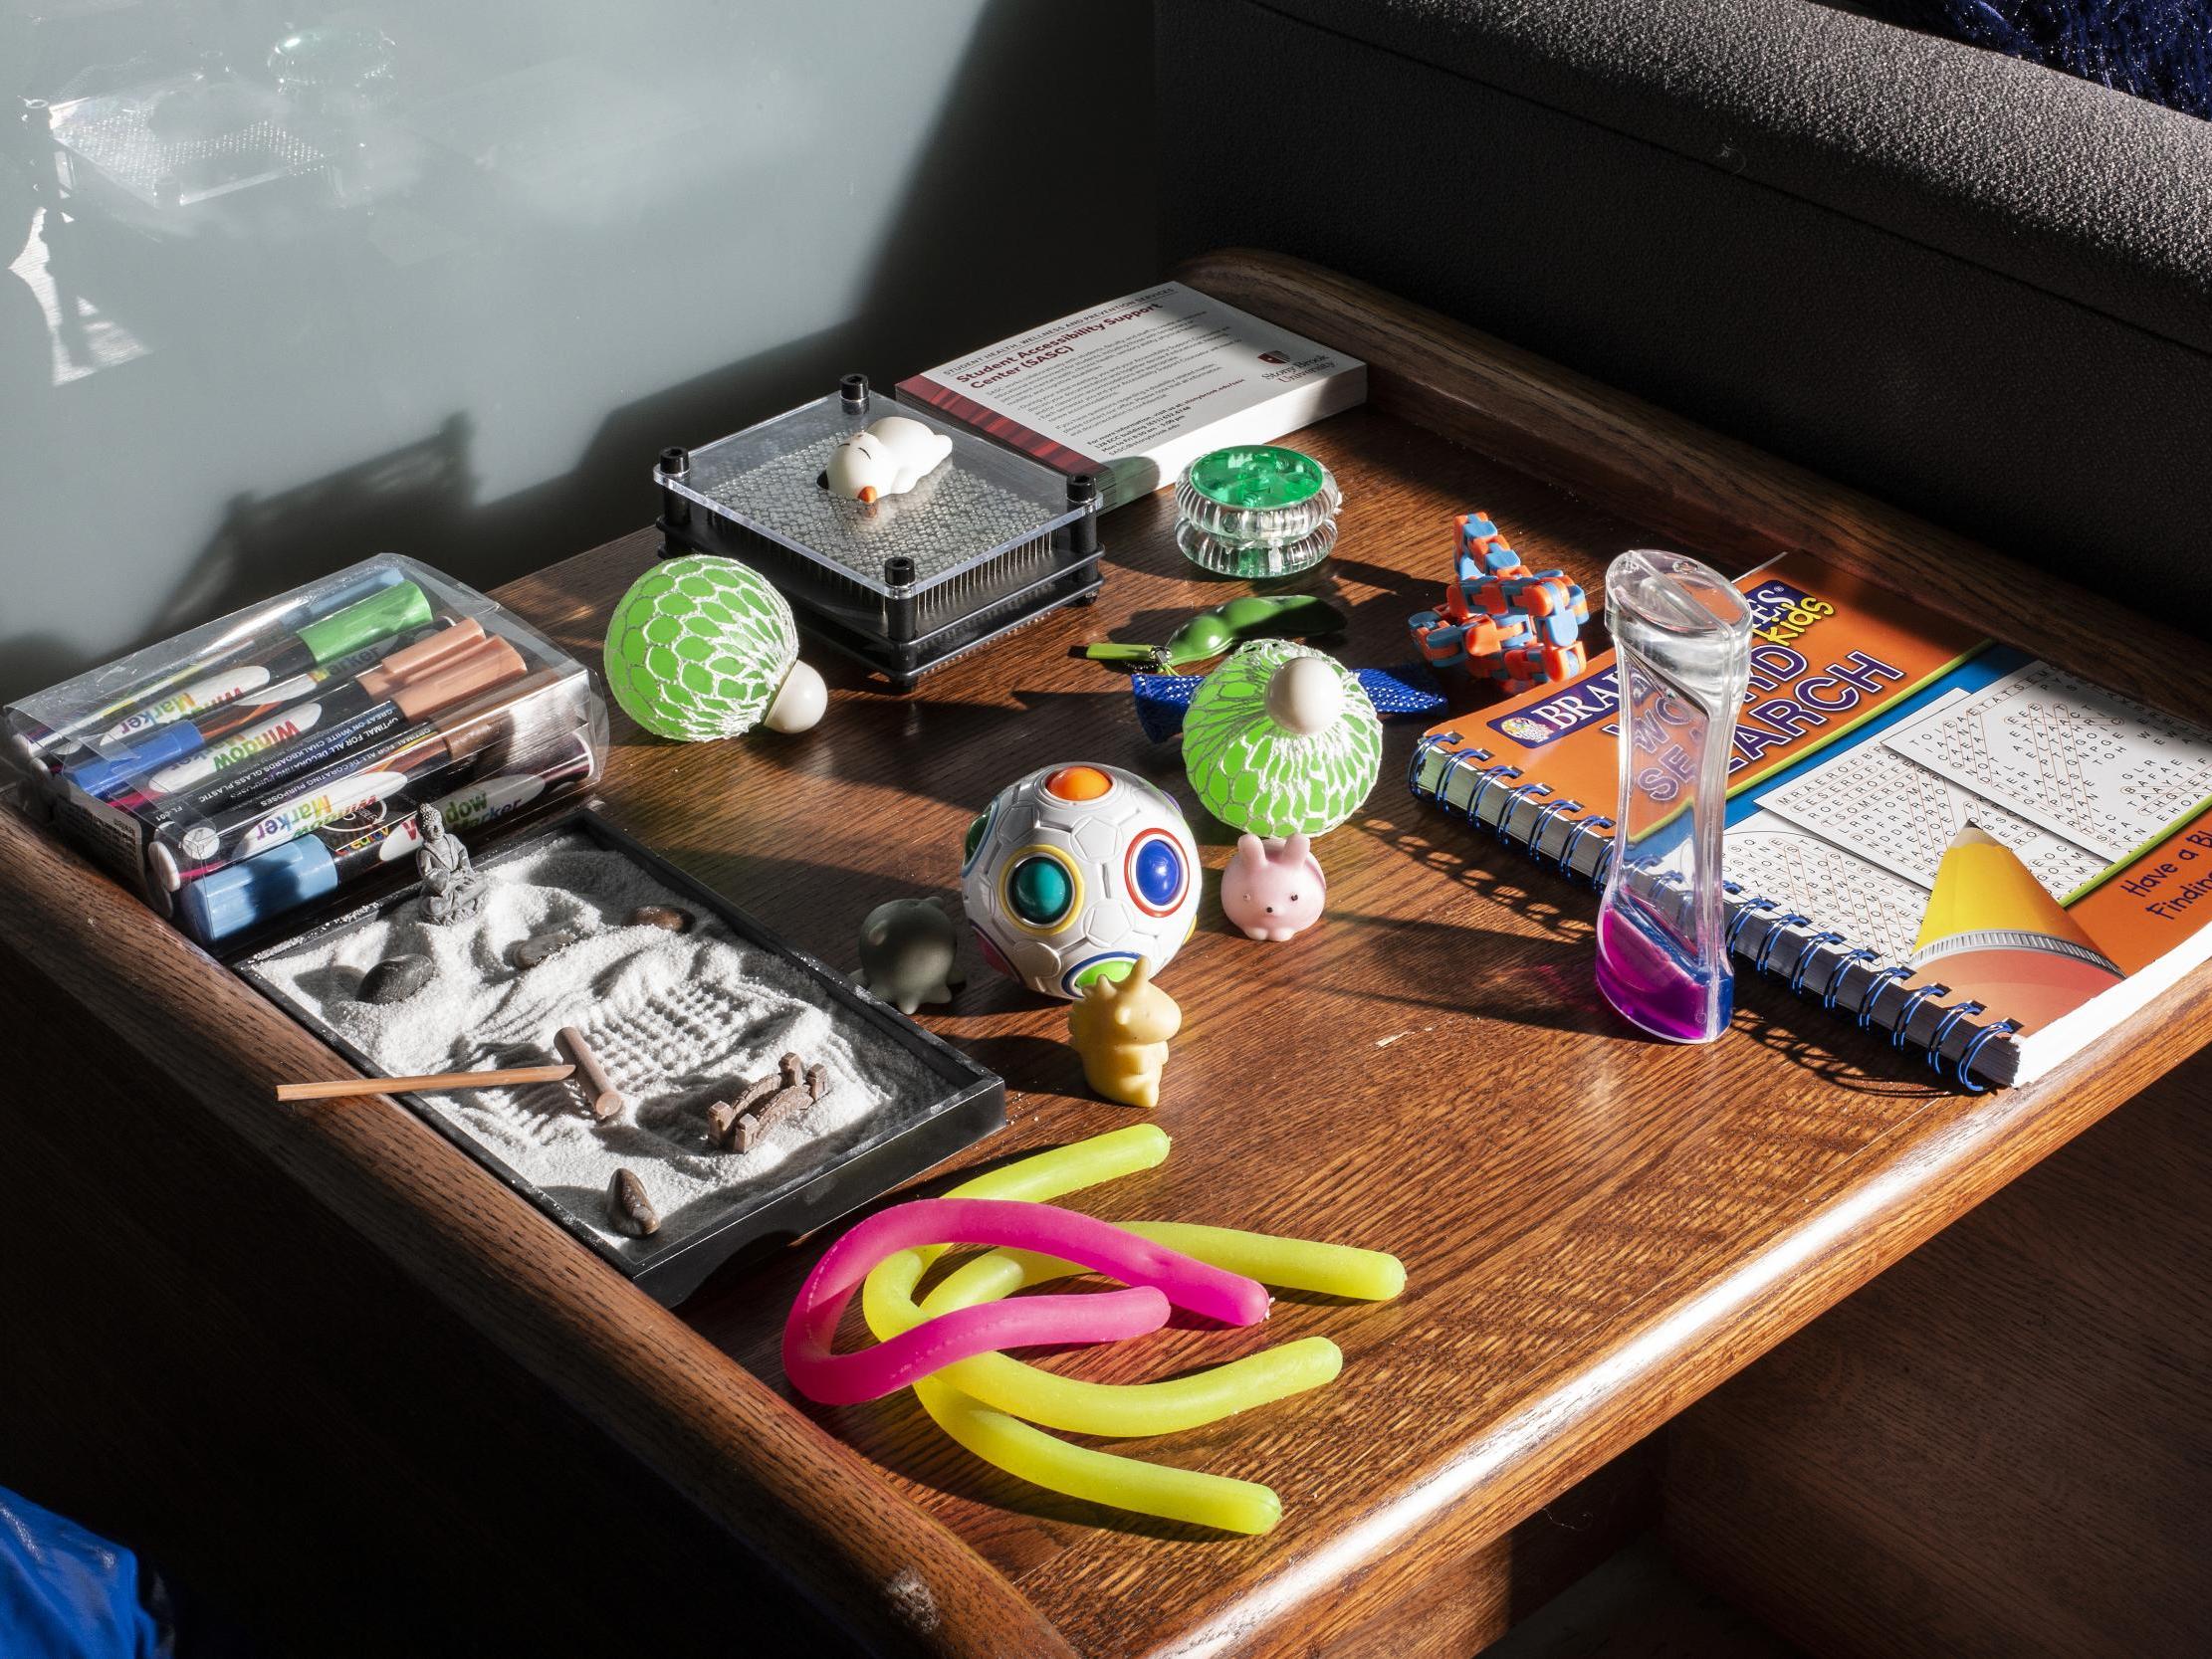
(1682, 637)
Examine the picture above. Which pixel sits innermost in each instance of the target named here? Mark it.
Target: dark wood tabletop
(1597, 1228)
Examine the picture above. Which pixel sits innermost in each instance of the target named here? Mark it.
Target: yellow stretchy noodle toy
(1061, 1403)
(1130, 1482)
(951, 1397)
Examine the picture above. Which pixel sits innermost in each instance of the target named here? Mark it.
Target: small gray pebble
(662, 916)
(396, 978)
(539, 946)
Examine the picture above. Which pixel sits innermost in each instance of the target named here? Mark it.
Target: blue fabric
(66, 1594)
(2160, 50)
(1400, 692)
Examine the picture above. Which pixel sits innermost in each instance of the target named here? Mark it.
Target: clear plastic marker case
(275, 759)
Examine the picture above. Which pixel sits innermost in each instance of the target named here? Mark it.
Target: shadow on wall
(463, 280)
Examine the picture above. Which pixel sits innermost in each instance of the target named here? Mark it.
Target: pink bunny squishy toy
(1273, 888)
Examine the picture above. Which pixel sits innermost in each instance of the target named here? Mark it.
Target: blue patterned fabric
(1401, 692)
(2159, 49)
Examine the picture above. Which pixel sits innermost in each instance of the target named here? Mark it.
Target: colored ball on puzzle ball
(1281, 740)
(1077, 873)
(704, 647)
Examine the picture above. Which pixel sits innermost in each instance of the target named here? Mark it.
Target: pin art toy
(1120, 1028)
(909, 954)
(1273, 888)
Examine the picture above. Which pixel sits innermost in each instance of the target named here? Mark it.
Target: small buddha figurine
(451, 889)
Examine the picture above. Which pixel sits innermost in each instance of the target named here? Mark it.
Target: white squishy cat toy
(888, 457)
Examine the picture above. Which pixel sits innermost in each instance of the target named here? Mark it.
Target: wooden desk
(1597, 1229)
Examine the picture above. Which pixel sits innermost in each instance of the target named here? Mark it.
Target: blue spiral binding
(1805, 959)
(1544, 816)
(1516, 795)
(1905, 1015)
(1774, 931)
(1749, 908)
(1583, 826)
(1865, 954)
(1965, 1068)
(1466, 757)
(1952, 1016)
(1428, 742)
(1602, 871)
(1873, 993)
(1491, 779)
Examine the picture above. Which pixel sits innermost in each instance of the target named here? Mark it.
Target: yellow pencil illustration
(1992, 933)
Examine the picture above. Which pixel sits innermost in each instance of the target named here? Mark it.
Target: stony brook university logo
(1273, 358)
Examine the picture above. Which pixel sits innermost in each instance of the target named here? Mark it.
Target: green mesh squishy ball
(1281, 740)
(703, 647)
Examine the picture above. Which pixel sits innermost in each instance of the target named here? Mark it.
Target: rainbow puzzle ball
(1076, 874)
(703, 647)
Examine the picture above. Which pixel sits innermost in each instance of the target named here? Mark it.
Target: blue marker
(238, 896)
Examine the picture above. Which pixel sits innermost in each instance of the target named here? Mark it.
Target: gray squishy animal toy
(909, 954)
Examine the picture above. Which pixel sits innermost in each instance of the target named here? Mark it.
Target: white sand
(677, 1019)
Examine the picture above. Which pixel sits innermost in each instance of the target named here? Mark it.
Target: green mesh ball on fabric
(698, 648)
(1281, 740)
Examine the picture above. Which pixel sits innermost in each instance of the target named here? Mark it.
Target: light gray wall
(526, 243)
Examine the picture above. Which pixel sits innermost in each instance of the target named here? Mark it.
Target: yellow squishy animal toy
(1121, 1029)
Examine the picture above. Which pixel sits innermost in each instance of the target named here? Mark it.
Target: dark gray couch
(1972, 285)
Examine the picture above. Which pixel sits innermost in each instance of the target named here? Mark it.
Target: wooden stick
(436, 1082)
(599, 1092)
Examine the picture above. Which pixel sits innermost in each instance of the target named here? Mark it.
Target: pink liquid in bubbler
(1653, 985)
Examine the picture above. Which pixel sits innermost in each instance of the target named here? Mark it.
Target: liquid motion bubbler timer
(1683, 635)
(1078, 873)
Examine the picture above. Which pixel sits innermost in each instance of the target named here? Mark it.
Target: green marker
(235, 646)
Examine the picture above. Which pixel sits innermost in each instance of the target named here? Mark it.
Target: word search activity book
(1987, 857)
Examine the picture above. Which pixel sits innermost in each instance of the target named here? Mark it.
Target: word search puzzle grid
(1771, 858)
(2085, 765)
(1884, 806)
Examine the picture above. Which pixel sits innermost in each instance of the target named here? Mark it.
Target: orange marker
(1992, 933)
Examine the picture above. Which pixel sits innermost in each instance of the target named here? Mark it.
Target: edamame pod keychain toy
(1222, 628)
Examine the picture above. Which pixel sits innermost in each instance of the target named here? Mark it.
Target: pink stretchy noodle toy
(1158, 1276)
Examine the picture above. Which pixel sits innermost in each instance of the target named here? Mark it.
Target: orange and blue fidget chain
(1499, 618)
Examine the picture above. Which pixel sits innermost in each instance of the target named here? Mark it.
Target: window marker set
(276, 757)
